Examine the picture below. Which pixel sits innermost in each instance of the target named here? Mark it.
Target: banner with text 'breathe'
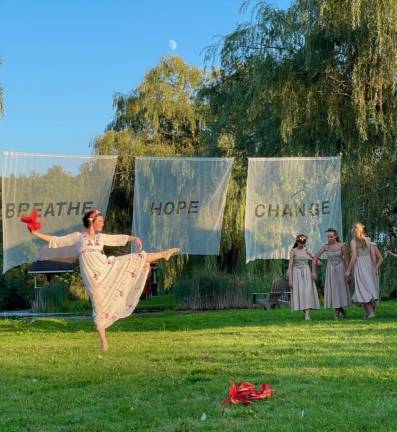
(61, 188)
(179, 202)
(287, 197)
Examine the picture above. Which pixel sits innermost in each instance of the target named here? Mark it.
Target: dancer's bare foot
(104, 345)
(169, 252)
(103, 342)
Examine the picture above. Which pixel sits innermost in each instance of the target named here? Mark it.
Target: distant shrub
(16, 289)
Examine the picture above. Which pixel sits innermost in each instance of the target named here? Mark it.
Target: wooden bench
(277, 296)
(48, 268)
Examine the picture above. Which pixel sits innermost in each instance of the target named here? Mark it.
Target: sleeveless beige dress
(336, 291)
(365, 283)
(304, 291)
(114, 284)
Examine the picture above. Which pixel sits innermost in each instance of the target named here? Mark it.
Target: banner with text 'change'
(179, 202)
(287, 197)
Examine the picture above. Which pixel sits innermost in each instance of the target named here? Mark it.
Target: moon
(172, 43)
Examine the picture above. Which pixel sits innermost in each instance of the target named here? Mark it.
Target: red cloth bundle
(244, 393)
(32, 220)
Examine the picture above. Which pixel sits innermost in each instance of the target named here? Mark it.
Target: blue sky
(63, 60)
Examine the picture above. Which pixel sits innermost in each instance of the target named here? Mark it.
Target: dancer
(336, 290)
(377, 260)
(365, 291)
(304, 292)
(114, 284)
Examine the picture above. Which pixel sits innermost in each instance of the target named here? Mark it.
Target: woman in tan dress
(114, 284)
(336, 290)
(365, 290)
(304, 292)
(377, 260)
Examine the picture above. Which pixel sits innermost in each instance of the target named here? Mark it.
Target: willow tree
(319, 70)
(159, 118)
(316, 79)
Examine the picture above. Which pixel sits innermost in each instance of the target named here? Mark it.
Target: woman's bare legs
(166, 255)
(340, 313)
(102, 339)
(369, 310)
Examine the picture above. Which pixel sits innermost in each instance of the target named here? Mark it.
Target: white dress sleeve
(63, 241)
(114, 240)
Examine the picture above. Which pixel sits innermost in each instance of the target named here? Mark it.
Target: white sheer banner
(60, 187)
(179, 202)
(290, 196)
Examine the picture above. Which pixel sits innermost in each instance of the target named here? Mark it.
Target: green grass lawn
(169, 371)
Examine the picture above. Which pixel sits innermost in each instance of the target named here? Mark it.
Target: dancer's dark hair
(90, 217)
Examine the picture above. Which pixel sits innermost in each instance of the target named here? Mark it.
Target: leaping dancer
(114, 284)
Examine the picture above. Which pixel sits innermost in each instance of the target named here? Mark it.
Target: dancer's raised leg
(156, 256)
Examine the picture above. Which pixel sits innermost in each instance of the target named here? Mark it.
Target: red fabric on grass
(244, 393)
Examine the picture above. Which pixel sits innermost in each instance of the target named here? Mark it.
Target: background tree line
(318, 79)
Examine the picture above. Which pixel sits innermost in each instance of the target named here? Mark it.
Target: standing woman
(114, 284)
(304, 292)
(377, 260)
(336, 290)
(365, 291)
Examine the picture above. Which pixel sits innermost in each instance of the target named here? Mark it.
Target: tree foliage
(162, 110)
(159, 118)
(316, 79)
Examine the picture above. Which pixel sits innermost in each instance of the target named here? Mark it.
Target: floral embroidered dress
(114, 284)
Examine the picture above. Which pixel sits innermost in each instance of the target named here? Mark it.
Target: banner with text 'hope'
(61, 188)
(287, 197)
(179, 202)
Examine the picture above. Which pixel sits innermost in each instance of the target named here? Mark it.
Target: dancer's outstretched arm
(137, 241)
(55, 241)
(41, 236)
(120, 240)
